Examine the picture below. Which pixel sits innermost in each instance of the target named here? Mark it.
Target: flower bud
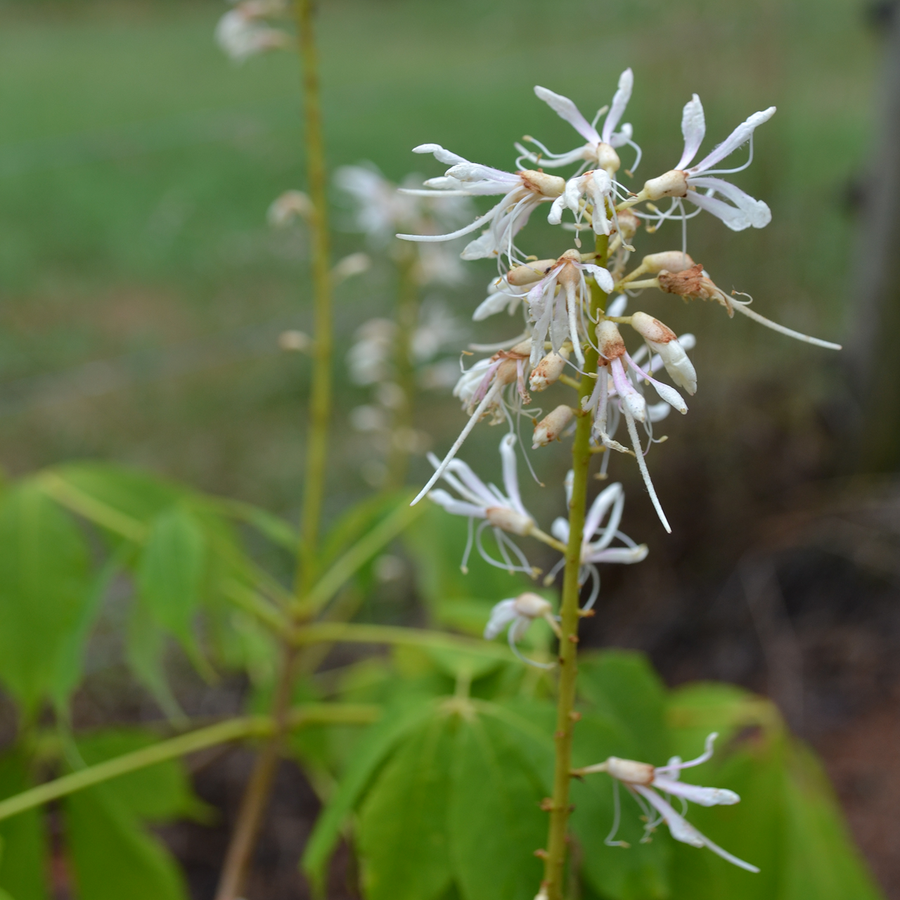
(668, 260)
(509, 520)
(628, 224)
(530, 273)
(542, 183)
(630, 771)
(671, 184)
(531, 605)
(607, 158)
(551, 426)
(610, 341)
(548, 370)
(662, 340)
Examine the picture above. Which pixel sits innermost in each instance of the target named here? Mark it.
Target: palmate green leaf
(112, 496)
(45, 588)
(170, 573)
(111, 855)
(819, 857)
(403, 840)
(399, 719)
(145, 650)
(622, 685)
(495, 822)
(24, 838)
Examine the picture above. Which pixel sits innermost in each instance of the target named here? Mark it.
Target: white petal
(501, 615)
(739, 136)
(693, 127)
(567, 110)
(619, 102)
(704, 796)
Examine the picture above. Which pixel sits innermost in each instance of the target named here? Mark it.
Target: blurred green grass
(137, 163)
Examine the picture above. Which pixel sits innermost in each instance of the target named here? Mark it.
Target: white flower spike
(641, 778)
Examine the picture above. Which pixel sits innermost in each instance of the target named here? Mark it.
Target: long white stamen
(645, 474)
(743, 308)
(479, 410)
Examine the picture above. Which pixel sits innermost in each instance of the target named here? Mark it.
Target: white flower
(599, 151)
(562, 313)
(518, 613)
(477, 500)
(614, 358)
(661, 339)
(241, 33)
(641, 778)
(738, 210)
(598, 537)
(523, 192)
(481, 390)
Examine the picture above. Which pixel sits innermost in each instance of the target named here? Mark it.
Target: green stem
(183, 745)
(555, 859)
(407, 320)
(259, 787)
(320, 400)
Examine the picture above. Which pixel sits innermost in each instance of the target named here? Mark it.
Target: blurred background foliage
(143, 294)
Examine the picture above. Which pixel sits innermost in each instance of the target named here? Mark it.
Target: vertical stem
(407, 320)
(320, 400)
(259, 787)
(555, 859)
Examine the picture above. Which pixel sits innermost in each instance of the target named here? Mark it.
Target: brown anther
(587, 613)
(575, 716)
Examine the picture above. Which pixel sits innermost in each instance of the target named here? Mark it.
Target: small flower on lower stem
(641, 778)
(518, 613)
(598, 537)
(505, 513)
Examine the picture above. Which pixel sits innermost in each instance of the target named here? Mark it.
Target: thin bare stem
(259, 787)
(555, 858)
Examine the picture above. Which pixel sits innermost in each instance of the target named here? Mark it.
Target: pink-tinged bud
(662, 340)
(530, 273)
(548, 370)
(629, 771)
(507, 372)
(551, 426)
(531, 605)
(668, 261)
(607, 158)
(652, 330)
(542, 183)
(671, 184)
(610, 341)
(509, 520)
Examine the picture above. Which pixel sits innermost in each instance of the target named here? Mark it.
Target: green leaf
(357, 521)
(170, 573)
(113, 497)
(23, 864)
(403, 844)
(44, 590)
(495, 821)
(622, 685)
(112, 857)
(70, 664)
(821, 860)
(372, 749)
(145, 650)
